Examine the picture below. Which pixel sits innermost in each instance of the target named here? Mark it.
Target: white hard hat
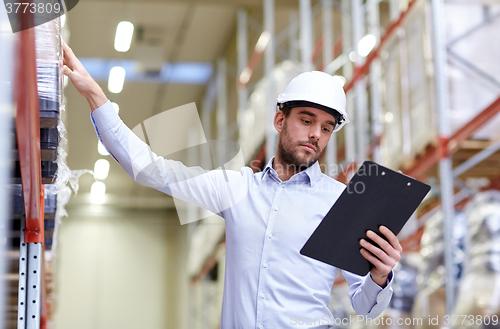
(319, 90)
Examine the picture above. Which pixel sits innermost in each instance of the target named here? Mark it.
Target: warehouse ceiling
(185, 31)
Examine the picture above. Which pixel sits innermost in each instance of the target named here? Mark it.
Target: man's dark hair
(286, 110)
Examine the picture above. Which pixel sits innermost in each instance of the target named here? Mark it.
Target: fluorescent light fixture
(245, 75)
(116, 79)
(196, 73)
(123, 37)
(388, 117)
(101, 149)
(366, 45)
(101, 169)
(340, 79)
(116, 107)
(97, 192)
(263, 41)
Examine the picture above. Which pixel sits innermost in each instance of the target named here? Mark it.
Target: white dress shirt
(267, 282)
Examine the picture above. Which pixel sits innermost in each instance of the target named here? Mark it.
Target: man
(267, 284)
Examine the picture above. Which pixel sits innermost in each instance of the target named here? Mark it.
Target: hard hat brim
(339, 118)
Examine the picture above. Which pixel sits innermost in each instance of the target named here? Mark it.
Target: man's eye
(326, 130)
(306, 121)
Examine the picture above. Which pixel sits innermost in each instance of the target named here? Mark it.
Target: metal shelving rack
(31, 209)
(30, 310)
(447, 158)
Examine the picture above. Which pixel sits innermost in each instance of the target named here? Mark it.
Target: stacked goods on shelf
(479, 292)
(408, 112)
(431, 300)
(49, 78)
(48, 61)
(473, 69)
(420, 81)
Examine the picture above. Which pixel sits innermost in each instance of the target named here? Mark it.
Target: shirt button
(275, 208)
(270, 236)
(265, 265)
(261, 327)
(262, 296)
(282, 185)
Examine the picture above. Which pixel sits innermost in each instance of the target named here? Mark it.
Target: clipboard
(375, 196)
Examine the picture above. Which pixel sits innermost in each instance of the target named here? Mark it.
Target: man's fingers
(379, 253)
(386, 246)
(67, 71)
(374, 260)
(393, 239)
(69, 57)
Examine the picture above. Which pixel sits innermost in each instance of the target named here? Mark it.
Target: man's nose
(315, 132)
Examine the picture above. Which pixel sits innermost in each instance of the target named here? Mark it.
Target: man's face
(303, 136)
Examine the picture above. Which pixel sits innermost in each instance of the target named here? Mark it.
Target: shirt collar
(313, 173)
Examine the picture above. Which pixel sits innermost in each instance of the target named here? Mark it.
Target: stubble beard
(288, 154)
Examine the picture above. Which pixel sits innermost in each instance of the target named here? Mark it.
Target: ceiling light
(97, 192)
(101, 169)
(366, 45)
(116, 107)
(101, 149)
(123, 37)
(116, 79)
(388, 117)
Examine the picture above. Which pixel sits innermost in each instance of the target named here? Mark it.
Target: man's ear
(279, 120)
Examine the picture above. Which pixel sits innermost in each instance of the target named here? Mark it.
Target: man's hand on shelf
(81, 79)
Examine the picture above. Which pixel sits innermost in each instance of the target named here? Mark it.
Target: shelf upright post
(269, 59)
(222, 127)
(326, 9)
(444, 131)
(306, 35)
(242, 62)
(348, 72)
(375, 76)
(358, 30)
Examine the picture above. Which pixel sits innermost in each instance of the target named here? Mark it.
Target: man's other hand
(384, 257)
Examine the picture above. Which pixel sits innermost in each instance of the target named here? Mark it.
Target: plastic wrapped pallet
(391, 143)
(48, 62)
(409, 116)
(471, 32)
(423, 121)
(479, 293)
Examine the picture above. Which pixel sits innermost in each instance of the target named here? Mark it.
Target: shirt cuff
(105, 117)
(375, 290)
